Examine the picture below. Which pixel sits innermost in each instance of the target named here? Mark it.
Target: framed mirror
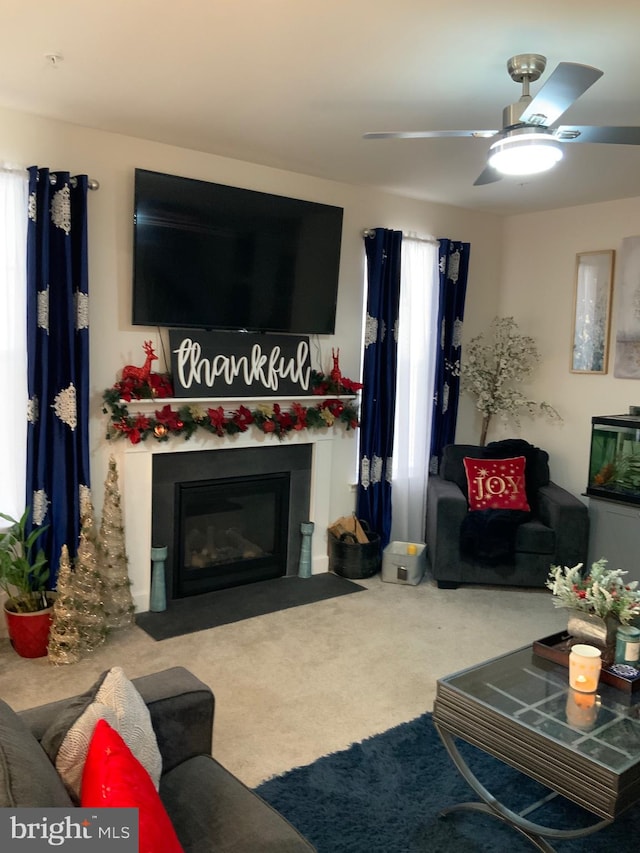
(592, 311)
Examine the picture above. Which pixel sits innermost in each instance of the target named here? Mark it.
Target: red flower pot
(29, 632)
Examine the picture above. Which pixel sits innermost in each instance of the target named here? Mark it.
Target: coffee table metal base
(535, 833)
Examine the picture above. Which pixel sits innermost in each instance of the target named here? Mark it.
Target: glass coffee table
(519, 708)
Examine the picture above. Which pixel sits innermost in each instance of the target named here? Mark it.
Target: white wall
(111, 159)
(538, 283)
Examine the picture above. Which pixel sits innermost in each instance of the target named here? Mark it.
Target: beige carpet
(294, 685)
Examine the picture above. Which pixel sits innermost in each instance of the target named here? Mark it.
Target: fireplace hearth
(229, 517)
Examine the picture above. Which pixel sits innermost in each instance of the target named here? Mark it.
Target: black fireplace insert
(229, 517)
(230, 532)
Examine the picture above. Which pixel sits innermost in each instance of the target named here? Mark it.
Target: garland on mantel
(269, 418)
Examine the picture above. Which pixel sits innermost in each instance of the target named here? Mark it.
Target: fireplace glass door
(230, 532)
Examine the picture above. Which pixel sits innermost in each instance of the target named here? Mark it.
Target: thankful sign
(235, 364)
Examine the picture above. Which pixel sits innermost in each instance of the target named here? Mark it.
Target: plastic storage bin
(404, 562)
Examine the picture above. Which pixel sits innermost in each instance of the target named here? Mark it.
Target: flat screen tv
(210, 256)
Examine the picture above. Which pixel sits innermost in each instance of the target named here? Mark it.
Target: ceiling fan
(531, 140)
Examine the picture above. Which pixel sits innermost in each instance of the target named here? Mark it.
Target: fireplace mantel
(135, 472)
(148, 405)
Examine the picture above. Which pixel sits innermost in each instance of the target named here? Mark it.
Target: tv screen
(216, 257)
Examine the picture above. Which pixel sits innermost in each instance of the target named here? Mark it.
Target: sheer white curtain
(417, 336)
(13, 339)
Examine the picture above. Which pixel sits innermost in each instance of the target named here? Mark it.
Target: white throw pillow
(118, 702)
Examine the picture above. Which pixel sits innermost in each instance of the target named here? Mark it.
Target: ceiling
(294, 84)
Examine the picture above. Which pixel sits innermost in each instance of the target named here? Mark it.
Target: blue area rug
(384, 795)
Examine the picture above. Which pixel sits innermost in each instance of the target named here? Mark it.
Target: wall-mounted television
(211, 256)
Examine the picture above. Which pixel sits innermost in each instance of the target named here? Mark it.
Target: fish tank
(614, 462)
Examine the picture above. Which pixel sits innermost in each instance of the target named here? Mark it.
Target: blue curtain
(58, 484)
(453, 273)
(373, 505)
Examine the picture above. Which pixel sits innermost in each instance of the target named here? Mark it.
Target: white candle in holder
(585, 664)
(582, 709)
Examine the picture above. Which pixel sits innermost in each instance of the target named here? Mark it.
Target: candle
(582, 709)
(584, 668)
(628, 646)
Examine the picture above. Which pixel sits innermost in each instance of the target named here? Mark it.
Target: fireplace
(136, 464)
(229, 517)
(230, 532)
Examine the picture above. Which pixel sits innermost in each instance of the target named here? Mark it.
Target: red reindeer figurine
(335, 374)
(140, 374)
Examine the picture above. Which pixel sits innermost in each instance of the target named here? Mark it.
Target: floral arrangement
(184, 420)
(493, 368)
(156, 386)
(601, 592)
(334, 383)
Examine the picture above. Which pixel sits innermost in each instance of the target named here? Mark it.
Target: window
(417, 336)
(13, 338)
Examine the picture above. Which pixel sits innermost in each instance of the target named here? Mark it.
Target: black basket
(351, 559)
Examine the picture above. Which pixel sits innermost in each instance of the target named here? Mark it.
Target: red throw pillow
(113, 777)
(496, 483)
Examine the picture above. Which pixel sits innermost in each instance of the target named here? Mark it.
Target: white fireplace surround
(135, 464)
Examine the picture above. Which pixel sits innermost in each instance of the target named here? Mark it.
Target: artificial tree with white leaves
(492, 370)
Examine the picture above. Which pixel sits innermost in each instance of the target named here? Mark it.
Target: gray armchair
(555, 532)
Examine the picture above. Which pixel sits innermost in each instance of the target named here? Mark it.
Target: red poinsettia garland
(270, 418)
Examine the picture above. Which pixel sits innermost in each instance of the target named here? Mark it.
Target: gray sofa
(556, 532)
(210, 809)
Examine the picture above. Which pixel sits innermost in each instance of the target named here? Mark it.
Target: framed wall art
(627, 360)
(592, 311)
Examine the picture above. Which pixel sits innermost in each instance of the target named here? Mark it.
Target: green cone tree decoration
(88, 591)
(118, 604)
(64, 637)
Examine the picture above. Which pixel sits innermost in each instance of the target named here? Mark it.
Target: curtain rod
(408, 235)
(91, 182)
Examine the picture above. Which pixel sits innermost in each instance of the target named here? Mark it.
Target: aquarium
(614, 463)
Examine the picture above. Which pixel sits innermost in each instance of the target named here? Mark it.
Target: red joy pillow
(113, 777)
(496, 483)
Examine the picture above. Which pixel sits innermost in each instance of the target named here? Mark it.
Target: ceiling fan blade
(488, 176)
(429, 134)
(584, 133)
(564, 86)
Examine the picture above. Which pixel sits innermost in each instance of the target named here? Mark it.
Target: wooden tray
(557, 648)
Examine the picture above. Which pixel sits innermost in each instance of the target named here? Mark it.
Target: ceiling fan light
(525, 154)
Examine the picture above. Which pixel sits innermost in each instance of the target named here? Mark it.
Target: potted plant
(23, 576)
(599, 601)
